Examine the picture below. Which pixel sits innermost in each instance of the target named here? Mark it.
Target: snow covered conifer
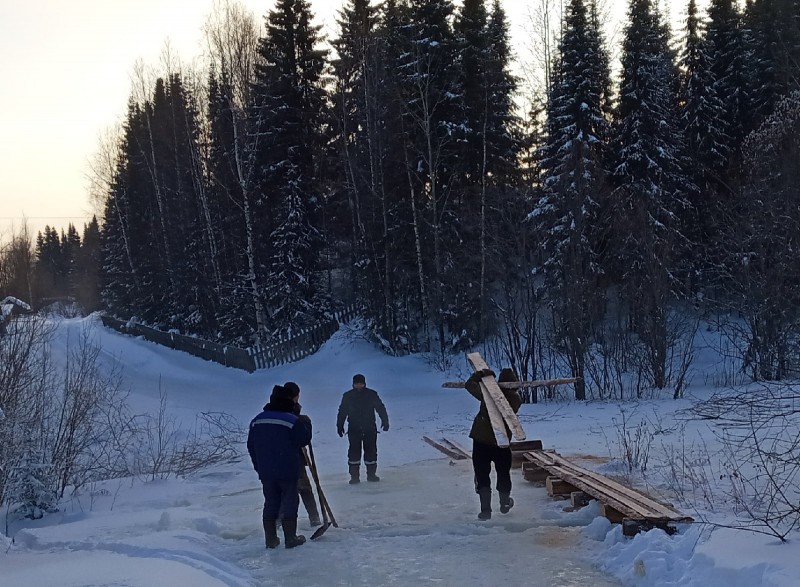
(290, 105)
(566, 216)
(650, 183)
(704, 124)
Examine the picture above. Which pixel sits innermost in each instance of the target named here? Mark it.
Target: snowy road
(418, 526)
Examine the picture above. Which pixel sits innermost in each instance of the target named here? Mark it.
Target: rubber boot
(311, 506)
(354, 474)
(371, 476)
(485, 495)
(506, 502)
(290, 536)
(271, 533)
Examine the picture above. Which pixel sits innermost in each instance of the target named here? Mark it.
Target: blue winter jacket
(274, 441)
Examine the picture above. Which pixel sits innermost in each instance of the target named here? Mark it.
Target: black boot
(354, 474)
(485, 495)
(290, 536)
(311, 506)
(371, 476)
(271, 533)
(506, 502)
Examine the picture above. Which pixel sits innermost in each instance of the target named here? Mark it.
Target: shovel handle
(325, 506)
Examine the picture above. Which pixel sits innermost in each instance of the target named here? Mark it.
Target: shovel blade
(320, 531)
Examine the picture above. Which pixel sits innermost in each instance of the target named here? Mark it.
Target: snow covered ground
(417, 526)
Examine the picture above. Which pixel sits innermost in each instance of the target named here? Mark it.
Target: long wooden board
(494, 396)
(446, 447)
(516, 384)
(601, 481)
(629, 502)
(458, 447)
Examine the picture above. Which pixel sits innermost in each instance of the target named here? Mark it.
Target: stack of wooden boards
(636, 511)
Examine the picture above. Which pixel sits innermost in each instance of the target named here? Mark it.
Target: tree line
(392, 167)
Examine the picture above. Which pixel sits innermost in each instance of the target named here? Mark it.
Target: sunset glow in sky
(66, 70)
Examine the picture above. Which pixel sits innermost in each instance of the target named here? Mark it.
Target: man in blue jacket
(274, 441)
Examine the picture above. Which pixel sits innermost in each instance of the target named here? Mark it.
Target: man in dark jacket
(274, 441)
(484, 446)
(358, 408)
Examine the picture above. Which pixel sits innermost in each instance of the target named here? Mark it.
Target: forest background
(392, 168)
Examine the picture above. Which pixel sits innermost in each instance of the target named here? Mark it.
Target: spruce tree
(232, 169)
(49, 274)
(355, 108)
(487, 163)
(650, 184)
(433, 125)
(573, 181)
(87, 267)
(70, 250)
(773, 27)
(365, 127)
(731, 63)
(402, 299)
(703, 122)
(290, 104)
(132, 266)
(765, 278)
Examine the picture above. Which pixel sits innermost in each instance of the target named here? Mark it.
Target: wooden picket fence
(281, 351)
(305, 343)
(224, 354)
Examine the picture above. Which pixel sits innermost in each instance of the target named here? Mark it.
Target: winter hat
(279, 392)
(359, 378)
(507, 375)
(292, 389)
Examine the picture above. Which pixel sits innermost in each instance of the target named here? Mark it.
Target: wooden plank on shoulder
(496, 418)
(516, 384)
(498, 400)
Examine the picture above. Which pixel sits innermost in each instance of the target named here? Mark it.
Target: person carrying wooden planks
(485, 449)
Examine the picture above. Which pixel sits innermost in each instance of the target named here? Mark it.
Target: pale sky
(65, 78)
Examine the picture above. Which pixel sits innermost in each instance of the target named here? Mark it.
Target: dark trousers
(483, 455)
(281, 499)
(362, 439)
(304, 483)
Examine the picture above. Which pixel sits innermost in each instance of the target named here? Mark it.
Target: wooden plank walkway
(634, 509)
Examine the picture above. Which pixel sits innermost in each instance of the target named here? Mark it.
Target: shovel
(327, 515)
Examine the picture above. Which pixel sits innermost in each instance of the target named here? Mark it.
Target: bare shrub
(634, 438)
(760, 454)
(75, 419)
(688, 472)
(25, 377)
(161, 448)
(65, 426)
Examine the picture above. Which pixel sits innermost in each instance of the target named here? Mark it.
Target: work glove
(340, 431)
(386, 427)
(486, 373)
